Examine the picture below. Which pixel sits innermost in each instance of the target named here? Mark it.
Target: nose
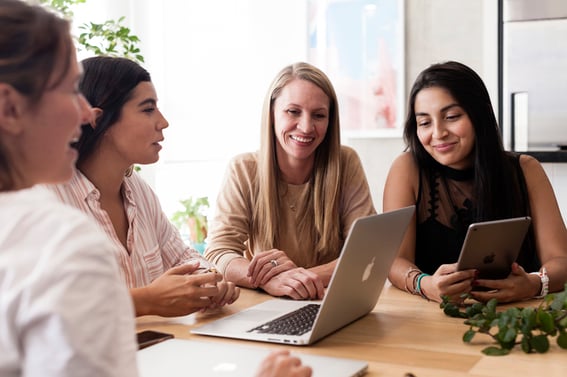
(305, 124)
(163, 123)
(439, 130)
(85, 109)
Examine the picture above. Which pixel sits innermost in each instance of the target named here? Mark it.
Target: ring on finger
(274, 263)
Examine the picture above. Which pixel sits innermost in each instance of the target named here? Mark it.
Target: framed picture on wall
(359, 44)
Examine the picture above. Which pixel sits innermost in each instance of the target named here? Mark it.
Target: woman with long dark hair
(456, 172)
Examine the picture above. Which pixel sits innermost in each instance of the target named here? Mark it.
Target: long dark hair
(497, 186)
(107, 83)
(32, 43)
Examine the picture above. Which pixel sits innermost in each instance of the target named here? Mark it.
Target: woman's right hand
(281, 364)
(177, 292)
(297, 283)
(447, 281)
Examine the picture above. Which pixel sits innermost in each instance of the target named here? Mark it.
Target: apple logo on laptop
(489, 258)
(368, 270)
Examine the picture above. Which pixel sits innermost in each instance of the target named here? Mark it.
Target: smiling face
(45, 152)
(444, 128)
(301, 119)
(135, 138)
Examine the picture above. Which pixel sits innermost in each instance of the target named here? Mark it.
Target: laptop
(181, 358)
(357, 281)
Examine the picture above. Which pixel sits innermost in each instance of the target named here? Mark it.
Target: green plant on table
(194, 217)
(530, 327)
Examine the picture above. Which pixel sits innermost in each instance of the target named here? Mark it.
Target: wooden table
(403, 334)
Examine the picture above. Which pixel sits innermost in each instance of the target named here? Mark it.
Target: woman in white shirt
(63, 310)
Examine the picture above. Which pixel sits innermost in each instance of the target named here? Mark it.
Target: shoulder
(405, 163)
(403, 172)
(138, 185)
(531, 167)
(244, 164)
(527, 161)
(74, 191)
(55, 230)
(535, 176)
(349, 153)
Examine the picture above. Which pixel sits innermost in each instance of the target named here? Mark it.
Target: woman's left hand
(267, 264)
(517, 286)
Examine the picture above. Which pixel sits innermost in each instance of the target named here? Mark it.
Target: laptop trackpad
(249, 318)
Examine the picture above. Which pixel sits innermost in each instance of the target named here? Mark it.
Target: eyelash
(297, 112)
(448, 117)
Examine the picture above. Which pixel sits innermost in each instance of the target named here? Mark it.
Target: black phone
(149, 337)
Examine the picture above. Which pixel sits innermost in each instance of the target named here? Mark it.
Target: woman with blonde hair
(284, 212)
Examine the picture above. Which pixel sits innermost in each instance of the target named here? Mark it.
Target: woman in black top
(456, 172)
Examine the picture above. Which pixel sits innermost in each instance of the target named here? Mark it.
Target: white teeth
(302, 139)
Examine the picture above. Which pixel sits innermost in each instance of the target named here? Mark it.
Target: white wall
(231, 50)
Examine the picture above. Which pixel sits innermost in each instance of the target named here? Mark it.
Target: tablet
(492, 246)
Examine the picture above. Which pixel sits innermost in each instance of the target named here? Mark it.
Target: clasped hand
(278, 275)
(180, 292)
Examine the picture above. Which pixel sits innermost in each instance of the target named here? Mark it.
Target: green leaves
(109, 38)
(531, 327)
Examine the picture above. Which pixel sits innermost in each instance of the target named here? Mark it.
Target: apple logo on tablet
(368, 270)
(489, 258)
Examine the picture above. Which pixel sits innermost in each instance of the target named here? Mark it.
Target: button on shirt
(153, 243)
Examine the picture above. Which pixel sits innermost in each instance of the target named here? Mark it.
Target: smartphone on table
(149, 337)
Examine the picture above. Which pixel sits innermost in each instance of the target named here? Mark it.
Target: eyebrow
(444, 109)
(148, 101)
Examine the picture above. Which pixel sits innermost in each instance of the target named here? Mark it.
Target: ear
(12, 105)
(96, 113)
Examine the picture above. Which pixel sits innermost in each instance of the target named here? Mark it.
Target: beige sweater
(230, 228)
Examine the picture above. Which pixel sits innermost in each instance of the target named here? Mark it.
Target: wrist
(419, 285)
(140, 300)
(544, 282)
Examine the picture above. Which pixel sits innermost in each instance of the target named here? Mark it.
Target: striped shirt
(154, 243)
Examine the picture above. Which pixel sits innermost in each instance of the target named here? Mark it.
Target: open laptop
(356, 284)
(181, 358)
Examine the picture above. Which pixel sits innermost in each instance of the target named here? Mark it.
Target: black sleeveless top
(444, 212)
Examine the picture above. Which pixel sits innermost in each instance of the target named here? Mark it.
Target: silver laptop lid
(181, 358)
(362, 269)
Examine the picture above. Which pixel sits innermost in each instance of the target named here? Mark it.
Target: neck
(104, 175)
(296, 172)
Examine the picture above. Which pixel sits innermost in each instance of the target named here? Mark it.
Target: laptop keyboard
(297, 322)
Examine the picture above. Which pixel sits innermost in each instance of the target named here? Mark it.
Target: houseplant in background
(109, 38)
(191, 220)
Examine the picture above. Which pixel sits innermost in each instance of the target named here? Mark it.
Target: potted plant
(193, 218)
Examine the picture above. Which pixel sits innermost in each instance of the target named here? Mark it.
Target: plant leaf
(495, 351)
(540, 343)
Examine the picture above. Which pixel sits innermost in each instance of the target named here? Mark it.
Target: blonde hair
(321, 217)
